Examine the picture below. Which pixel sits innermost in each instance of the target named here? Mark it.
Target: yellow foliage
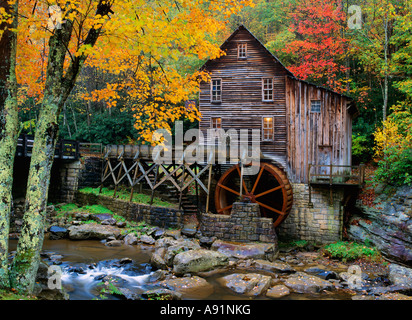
(138, 49)
(396, 132)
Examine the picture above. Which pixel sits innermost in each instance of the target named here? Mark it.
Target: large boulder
(249, 284)
(388, 225)
(250, 250)
(303, 283)
(57, 233)
(93, 231)
(400, 276)
(46, 288)
(167, 248)
(278, 291)
(198, 260)
(189, 287)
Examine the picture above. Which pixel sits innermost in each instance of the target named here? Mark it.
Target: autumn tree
(9, 124)
(319, 47)
(138, 43)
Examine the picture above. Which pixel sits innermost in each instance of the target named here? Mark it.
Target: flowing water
(86, 264)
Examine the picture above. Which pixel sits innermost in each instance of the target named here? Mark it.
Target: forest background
(112, 72)
(369, 60)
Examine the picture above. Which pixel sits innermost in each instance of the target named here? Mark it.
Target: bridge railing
(336, 174)
(65, 149)
(90, 149)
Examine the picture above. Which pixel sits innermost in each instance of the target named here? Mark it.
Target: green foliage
(125, 195)
(72, 207)
(394, 146)
(68, 207)
(360, 149)
(396, 168)
(349, 251)
(13, 295)
(114, 127)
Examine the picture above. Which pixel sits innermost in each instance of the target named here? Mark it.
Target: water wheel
(270, 188)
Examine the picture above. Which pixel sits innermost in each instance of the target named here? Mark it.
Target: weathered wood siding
(316, 138)
(300, 136)
(242, 106)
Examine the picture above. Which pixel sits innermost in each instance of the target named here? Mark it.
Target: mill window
(267, 89)
(315, 106)
(216, 90)
(267, 126)
(216, 123)
(242, 51)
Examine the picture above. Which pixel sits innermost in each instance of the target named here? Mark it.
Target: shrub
(347, 251)
(394, 148)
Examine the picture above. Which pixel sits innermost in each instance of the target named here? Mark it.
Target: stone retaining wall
(320, 223)
(243, 225)
(75, 175)
(158, 216)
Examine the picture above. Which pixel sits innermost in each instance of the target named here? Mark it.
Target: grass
(71, 207)
(349, 251)
(125, 195)
(12, 295)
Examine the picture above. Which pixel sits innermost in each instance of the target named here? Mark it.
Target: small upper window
(242, 51)
(267, 127)
(267, 89)
(216, 90)
(315, 106)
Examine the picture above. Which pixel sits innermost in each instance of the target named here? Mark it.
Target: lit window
(216, 123)
(267, 129)
(216, 90)
(267, 89)
(315, 106)
(242, 50)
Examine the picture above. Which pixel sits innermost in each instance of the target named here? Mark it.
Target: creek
(86, 263)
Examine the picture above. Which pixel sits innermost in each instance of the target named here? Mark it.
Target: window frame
(212, 122)
(272, 89)
(312, 101)
(211, 90)
(272, 128)
(242, 48)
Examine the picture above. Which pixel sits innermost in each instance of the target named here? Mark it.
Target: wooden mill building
(300, 123)
(304, 174)
(305, 129)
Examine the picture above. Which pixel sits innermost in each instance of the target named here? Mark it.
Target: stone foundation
(243, 225)
(320, 223)
(75, 175)
(157, 216)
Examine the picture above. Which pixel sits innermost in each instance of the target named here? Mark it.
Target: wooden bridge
(65, 149)
(137, 164)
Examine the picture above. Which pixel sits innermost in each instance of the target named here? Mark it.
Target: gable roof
(289, 73)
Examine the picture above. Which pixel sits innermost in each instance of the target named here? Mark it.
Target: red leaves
(320, 47)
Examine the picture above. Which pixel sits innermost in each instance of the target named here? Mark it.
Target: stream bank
(93, 270)
(103, 256)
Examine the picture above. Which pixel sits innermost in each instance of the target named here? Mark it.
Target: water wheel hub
(270, 188)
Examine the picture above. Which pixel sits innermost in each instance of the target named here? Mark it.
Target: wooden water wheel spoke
(257, 179)
(224, 209)
(269, 191)
(228, 189)
(243, 180)
(270, 208)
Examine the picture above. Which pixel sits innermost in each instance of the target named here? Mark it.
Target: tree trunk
(57, 89)
(385, 85)
(9, 132)
(27, 259)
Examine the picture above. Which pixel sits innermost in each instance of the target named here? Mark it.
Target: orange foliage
(139, 49)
